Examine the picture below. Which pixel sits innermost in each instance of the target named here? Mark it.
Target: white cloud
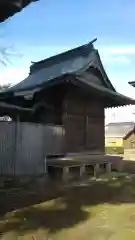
(117, 50)
(112, 59)
(113, 54)
(126, 113)
(120, 114)
(116, 56)
(12, 75)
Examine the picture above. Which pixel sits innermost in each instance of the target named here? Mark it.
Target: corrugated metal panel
(7, 148)
(30, 150)
(23, 147)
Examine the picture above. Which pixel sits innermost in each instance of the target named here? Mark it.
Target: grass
(95, 210)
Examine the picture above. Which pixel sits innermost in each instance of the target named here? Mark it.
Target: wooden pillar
(82, 170)
(65, 173)
(96, 170)
(45, 166)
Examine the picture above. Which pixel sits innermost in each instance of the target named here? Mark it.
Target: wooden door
(74, 133)
(94, 134)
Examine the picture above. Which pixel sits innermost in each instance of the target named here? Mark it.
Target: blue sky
(48, 27)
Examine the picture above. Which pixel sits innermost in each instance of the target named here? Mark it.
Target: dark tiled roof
(9, 7)
(71, 62)
(81, 51)
(132, 83)
(117, 98)
(119, 129)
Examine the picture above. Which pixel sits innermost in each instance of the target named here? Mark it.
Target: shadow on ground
(63, 208)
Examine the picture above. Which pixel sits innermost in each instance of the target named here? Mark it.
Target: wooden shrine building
(70, 90)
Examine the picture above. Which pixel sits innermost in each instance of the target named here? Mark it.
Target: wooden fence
(23, 147)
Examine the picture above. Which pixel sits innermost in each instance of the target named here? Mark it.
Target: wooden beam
(14, 107)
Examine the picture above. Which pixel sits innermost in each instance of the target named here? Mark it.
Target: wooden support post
(82, 170)
(96, 170)
(65, 173)
(108, 167)
(45, 166)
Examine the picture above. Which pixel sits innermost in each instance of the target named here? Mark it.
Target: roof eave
(117, 98)
(32, 89)
(10, 109)
(132, 83)
(103, 72)
(10, 8)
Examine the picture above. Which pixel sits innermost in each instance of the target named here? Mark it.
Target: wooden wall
(95, 124)
(83, 120)
(48, 106)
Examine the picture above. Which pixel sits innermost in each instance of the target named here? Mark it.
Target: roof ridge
(71, 53)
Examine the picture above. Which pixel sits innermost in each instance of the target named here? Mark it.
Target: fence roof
(118, 129)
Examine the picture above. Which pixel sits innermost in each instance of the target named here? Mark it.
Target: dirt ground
(99, 209)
